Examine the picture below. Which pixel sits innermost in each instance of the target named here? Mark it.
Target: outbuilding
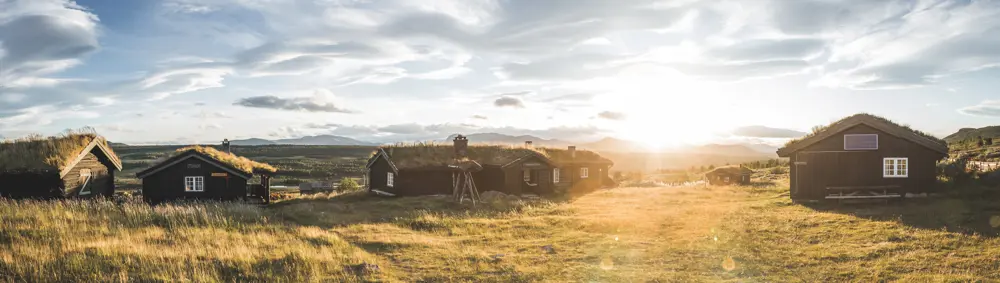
(727, 175)
(862, 156)
(426, 169)
(205, 173)
(68, 166)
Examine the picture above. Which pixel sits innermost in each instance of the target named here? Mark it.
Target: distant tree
(980, 142)
(988, 141)
(710, 167)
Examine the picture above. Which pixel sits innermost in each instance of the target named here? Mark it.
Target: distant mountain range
(307, 140)
(968, 133)
(610, 144)
(495, 138)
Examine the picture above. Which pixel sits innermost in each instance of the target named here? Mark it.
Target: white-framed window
(194, 184)
(861, 142)
(584, 172)
(895, 167)
(527, 175)
(555, 175)
(389, 179)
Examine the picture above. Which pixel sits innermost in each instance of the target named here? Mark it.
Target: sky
(663, 73)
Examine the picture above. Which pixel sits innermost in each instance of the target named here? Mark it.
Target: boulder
(491, 196)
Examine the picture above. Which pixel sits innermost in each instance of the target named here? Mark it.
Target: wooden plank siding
(826, 164)
(101, 181)
(168, 184)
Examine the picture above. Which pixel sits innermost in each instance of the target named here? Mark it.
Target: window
(584, 172)
(555, 175)
(389, 179)
(861, 142)
(527, 175)
(895, 167)
(194, 184)
(85, 182)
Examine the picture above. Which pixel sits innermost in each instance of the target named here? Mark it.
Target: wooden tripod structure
(463, 185)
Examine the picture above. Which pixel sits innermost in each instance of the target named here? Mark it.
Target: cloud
(292, 104)
(508, 101)
(766, 132)
(609, 115)
(479, 117)
(425, 132)
(768, 49)
(402, 129)
(40, 37)
(987, 108)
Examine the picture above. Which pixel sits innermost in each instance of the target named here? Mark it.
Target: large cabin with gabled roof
(205, 173)
(68, 166)
(862, 156)
(424, 169)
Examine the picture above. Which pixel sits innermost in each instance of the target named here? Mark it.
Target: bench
(864, 192)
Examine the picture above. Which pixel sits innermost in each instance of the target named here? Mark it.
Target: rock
(497, 257)
(512, 198)
(549, 249)
(363, 268)
(490, 196)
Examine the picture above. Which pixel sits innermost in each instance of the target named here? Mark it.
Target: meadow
(677, 234)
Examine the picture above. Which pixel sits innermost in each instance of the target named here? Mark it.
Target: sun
(664, 109)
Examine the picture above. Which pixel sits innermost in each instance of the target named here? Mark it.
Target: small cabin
(862, 156)
(205, 173)
(728, 175)
(69, 166)
(426, 169)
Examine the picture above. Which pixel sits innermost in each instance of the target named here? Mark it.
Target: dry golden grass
(818, 129)
(684, 234)
(242, 163)
(44, 153)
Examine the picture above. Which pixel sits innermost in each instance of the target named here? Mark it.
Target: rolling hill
(495, 138)
(968, 133)
(307, 140)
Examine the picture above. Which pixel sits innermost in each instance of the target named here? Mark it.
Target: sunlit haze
(664, 74)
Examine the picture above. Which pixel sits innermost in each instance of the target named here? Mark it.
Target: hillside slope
(969, 133)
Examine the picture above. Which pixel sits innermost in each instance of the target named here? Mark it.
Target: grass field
(685, 234)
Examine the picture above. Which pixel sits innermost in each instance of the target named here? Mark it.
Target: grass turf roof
(242, 163)
(406, 156)
(45, 153)
(730, 170)
(820, 129)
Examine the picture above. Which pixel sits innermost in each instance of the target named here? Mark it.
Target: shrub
(779, 170)
(348, 185)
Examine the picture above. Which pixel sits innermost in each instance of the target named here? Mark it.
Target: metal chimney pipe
(225, 146)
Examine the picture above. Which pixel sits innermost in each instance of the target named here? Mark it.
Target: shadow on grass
(419, 213)
(967, 216)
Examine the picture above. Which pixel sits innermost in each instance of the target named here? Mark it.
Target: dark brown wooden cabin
(424, 169)
(728, 175)
(862, 156)
(71, 166)
(204, 173)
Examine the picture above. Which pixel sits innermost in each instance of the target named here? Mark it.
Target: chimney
(225, 146)
(527, 144)
(461, 146)
(572, 151)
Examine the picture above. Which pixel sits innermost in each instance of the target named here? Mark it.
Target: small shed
(727, 175)
(424, 169)
(862, 156)
(68, 166)
(205, 173)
